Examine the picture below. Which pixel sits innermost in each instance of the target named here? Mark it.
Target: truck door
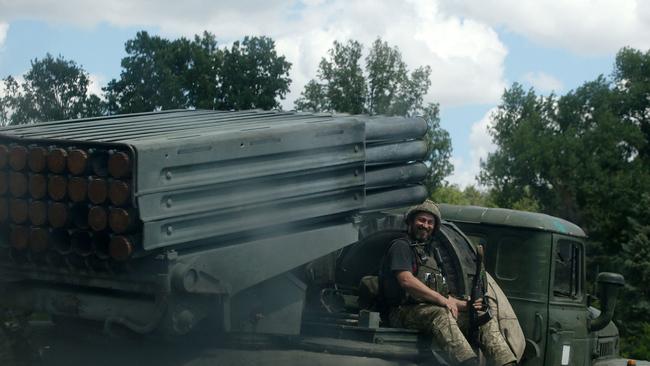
(567, 340)
(519, 261)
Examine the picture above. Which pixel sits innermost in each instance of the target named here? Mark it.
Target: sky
(476, 48)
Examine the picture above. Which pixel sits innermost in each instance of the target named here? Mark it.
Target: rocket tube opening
(77, 161)
(97, 190)
(18, 157)
(100, 242)
(81, 243)
(97, 218)
(37, 186)
(38, 213)
(77, 189)
(120, 248)
(19, 237)
(119, 165)
(4, 155)
(18, 184)
(18, 210)
(57, 187)
(121, 220)
(38, 239)
(58, 214)
(56, 160)
(37, 159)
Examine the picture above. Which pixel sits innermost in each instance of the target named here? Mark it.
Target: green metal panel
(202, 180)
(568, 339)
(519, 260)
(511, 218)
(243, 264)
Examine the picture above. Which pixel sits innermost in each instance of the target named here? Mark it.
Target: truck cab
(539, 262)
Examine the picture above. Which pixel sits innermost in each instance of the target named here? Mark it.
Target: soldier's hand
(452, 306)
(478, 304)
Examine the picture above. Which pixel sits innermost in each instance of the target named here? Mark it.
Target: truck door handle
(537, 329)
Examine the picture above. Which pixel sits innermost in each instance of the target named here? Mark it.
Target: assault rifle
(478, 317)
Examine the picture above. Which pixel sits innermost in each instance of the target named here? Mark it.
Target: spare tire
(363, 258)
(376, 233)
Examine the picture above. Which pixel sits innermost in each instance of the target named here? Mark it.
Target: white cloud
(481, 145)
(4, 28)
(543, 82)
(95, 84)
(466, 56)
(583, 26)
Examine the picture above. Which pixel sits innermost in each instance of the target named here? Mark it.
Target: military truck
(539, 263)
(252, 230)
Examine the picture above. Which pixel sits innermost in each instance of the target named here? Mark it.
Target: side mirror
(608, 286)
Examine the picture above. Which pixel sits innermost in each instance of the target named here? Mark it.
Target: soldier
(417, 295)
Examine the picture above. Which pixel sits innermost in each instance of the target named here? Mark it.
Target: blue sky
(476, 49)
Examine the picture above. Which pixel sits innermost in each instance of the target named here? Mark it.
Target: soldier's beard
(420, 234)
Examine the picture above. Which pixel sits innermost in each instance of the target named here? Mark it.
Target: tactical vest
(428, 270)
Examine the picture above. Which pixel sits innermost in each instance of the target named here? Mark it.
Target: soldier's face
(422, 226)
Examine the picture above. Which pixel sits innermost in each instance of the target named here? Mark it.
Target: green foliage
(161, 74)
(252, 75)
(584, 157)
(638, 345)
(634, 304)
(342, 86)
(386, 88)
(386, 78)
(155, 73)
(53, 89)
(632, 77)
(452, 194)
(391, 90)
(439, 148)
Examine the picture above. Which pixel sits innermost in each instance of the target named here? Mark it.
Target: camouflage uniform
(447, 335)
(438, 321)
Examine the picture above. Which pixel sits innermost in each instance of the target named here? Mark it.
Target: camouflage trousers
(448, 335)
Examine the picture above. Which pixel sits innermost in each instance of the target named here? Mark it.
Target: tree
(155, 75)
(632, 79)
(452, 194)
(584, 157)
(161, 74)
(252, 75)
(386, 76)
(387, 88)
(439, 148)
(343, 86)
(53, 89)
(636, 262)
(570, 154)
(313, 98)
